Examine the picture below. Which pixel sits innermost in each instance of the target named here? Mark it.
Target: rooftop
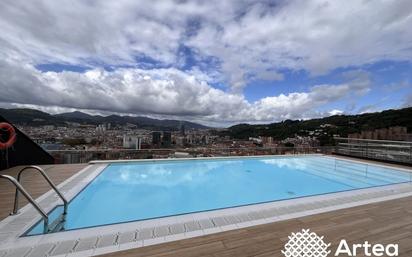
(382, 222)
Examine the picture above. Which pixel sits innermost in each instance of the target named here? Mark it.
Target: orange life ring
(12, 135)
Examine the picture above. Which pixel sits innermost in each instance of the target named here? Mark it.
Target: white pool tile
(145, 233)
(18, 252)
(130, 245)
(86, 244)
(177, 228)
(127, 237)
(196, 233)
(105, 250)
(161, 231)
(106, 240)
(41, 250)
(192, 226)
(228, 227)
(232, 219)
(153, 241)
(64, 247)
(5, 236)
(206, 223)
(175, 237)
(81, 254)
(212, 230)
(244, 224)
(244, 217)
(219, 221)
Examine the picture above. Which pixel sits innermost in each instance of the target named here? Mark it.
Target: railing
(16, 195)
(57, 223)
(396, 151)
(84, 156)
(29, 198)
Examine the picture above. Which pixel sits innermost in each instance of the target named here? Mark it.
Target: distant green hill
(343, 125)
(35, 117)
(26, 116)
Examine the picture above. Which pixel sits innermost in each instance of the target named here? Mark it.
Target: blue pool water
(143, 190)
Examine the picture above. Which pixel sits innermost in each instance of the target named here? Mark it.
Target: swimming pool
(133, 191)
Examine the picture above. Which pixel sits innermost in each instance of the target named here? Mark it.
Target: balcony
(384, 150)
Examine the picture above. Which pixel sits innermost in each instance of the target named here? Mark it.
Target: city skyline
(217, 64)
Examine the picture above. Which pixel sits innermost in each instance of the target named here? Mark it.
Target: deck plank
(385, 222)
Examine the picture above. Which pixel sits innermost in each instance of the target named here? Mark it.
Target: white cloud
(316, 36)
(249, 39)
(231, 42)
(369, 108)
(159, 92)
(302, 104)
(335, 112)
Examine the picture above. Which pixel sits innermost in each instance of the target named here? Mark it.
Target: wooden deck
(386, 222)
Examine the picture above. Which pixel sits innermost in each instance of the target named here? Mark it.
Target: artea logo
(309, 244)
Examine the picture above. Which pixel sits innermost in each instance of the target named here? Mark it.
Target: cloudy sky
(215, 62)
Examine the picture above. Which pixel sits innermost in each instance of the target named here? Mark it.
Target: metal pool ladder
(57, 224)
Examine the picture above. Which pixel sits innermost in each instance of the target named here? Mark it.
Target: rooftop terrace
(383, 222)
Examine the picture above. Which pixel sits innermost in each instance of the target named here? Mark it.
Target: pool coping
(116, 237)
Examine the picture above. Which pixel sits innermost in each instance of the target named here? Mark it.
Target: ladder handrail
(20, 188)
(43, 173)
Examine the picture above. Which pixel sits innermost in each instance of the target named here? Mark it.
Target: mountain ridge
(340, 125)
(36, 117)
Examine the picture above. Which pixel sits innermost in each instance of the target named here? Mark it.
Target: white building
(132, 142)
